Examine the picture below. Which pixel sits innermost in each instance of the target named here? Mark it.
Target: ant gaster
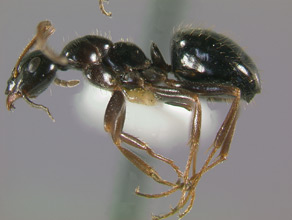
(203, 64)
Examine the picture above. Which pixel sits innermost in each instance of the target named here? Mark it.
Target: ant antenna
(101, 7)
(44, 30)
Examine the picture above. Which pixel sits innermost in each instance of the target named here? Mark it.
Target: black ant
(203, 64)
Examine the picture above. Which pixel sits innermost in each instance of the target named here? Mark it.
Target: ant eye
(34, 64)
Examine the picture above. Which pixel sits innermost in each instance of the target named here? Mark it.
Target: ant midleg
(189, 101)
(194, 139)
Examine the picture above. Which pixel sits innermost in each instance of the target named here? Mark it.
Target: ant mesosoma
(203, 64)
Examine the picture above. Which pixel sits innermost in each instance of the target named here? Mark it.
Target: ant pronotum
(203, 64)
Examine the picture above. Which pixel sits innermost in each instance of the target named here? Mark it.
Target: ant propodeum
(203, 64)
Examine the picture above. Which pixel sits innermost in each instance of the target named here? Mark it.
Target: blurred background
(71, 170)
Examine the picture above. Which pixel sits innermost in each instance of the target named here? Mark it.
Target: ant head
(35, 73)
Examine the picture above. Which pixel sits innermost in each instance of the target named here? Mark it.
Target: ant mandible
(203, 64)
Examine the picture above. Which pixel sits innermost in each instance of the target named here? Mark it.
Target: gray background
(70, 170)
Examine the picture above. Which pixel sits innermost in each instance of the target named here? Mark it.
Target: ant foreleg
(38, 106)
(114, 122)
(135, 142)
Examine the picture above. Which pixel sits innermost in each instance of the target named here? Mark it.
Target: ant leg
(225, 146)
(192, 194)
(159, 195)
(101, 7)
(224, 135)
(222, 140)
(191, 189)
(182, 202)
(135, 142)
(42, 107)
(64, 83)
(194, 143)
(195, 137)
(189, 101)
(113, 124)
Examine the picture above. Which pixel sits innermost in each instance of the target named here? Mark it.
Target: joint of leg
(155, 176)
(223, 157)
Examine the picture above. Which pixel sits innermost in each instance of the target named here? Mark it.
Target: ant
(204, 64)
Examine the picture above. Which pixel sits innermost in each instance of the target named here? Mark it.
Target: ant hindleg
(222, 140)
(224, 135)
